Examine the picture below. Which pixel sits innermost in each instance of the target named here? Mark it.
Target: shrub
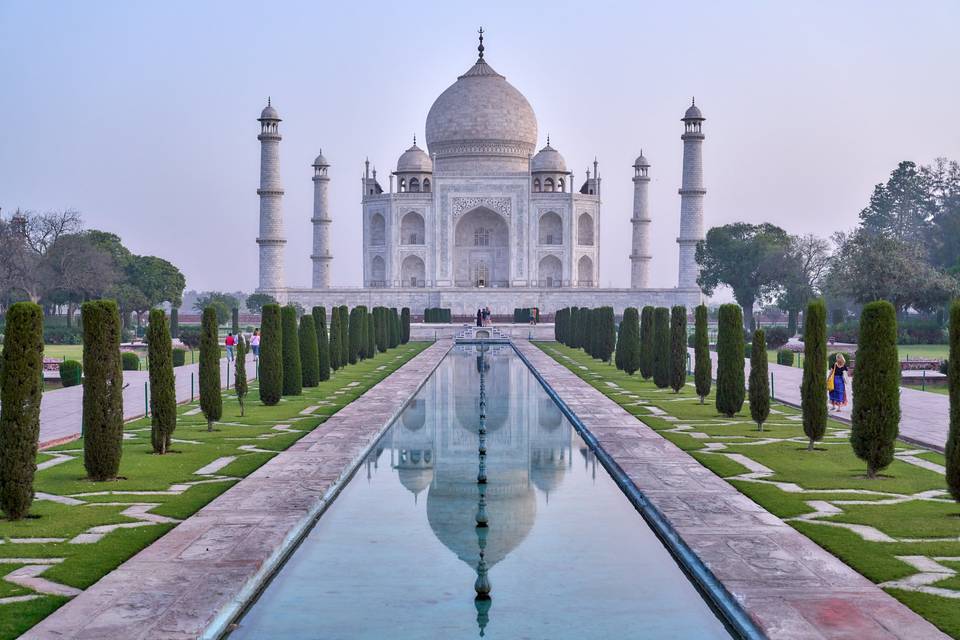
(945, 365)
(393, 328)
(240, 384)
(702, 366)
(102, 390)
(21, 390)
(759, 381)
(130, 361)
(163, 393)
(777, 337)
(61, 334)
(952, 449)
(362, 319)
(678, 347)
(335, 334)
(271, 355)
(747, 349)
(175, 324)
(573, 328)
(292, 374)
(380, 327)
(190, 336)
(837, 316)
(876, 394)
(211, 403)
(630, 338)
(405, 325)
(661, 347)
(371, 336)
(646, 342)
(179, 357)
(435, 315)
(309, 356)
(323, 343)
(344, 335)
(606, 333)
(832, 359)
(813, 388)
(71, 373)
(785, 357)
(730, 349)
(356, 333)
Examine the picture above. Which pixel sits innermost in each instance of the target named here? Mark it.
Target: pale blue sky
(143, 115)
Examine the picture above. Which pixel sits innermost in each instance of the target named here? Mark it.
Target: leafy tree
(163, 392)
(646, 342)
(255, 302)
(158, 280)
(952, 450)
(661, 347)
(405, 325)
(21, 388)
(805, 265)
(211, 403)
(309, 356)
(730, 381)
(702, 366)
(630, 339)
(102, 390)
(271, 355)
(876, 394)
(292, 373)
(221, 302)
(902, 208)
(323, 344)
(678, 347)
(813, 388)
(240, 384)
(335, 334)
(943, 178)
(235, 320)
(759, 380)
(747, 258)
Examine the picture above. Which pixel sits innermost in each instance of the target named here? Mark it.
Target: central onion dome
(481, 121)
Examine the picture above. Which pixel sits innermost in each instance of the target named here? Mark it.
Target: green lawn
(908, 503)
(141, 470)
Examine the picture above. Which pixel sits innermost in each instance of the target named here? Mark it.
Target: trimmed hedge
(323, 342)
(436, 315)
(271, 355)
(952, 449)
(130, 361)
(355, 335)
(175, 325)
(309, 356)
(71, 373)
(661, 347)
(292, 374)
(630, 337)
(211, 402)
(163, 392)
(102, 390)
(240, 384)
(759, 380)
(777, 337)
(702, 366)
(344, 335)
(730, 349)
(405, 325)
(646, 342)
(813, 388)
(785, 357)
(179, 357)
(393, 328)
(678, 347)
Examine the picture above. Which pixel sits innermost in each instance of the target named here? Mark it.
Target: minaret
(321, 225)
(691, 197)
(640, 256)
(271, 238)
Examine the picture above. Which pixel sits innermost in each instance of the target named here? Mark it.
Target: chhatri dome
(414, 160)
(548, 160)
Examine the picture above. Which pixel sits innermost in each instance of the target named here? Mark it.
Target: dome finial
(480, 48)
(414, 139)
(268, 101)
(548, 139)
(693, 101)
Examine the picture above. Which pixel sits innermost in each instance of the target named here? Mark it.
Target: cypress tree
(558, 326)
(371, 337)
(380, 322)
(21, 389)
(730, 381)
(813, 388)
(618, 352)
(574, 328)
(323, 344)
(759, 380)
(335, 334)
(102, 389)
(174, 322)
(583, 340)
(353, 352)
(309, 357)
(292, 372)
(952, 450)
(240, 384)
(394, 328)
(630, 337)
(211, 402)
(235, 320)
(678, 348)
(163, 392)
(876, 393)
(405, 324)
(362, 321)
(646, 342)
(271, 355)
(344, 335)
(608, 333)
(661, 347)
(702, 367)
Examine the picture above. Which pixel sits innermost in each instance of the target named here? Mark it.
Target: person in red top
(230, 342)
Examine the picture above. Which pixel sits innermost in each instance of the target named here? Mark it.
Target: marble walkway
(192, 581)
(788, 585)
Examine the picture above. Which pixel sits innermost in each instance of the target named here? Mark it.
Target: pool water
(398, 553)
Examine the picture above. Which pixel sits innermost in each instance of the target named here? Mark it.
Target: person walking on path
(479, 318)
(230, 342)
(837, 384)
(255, 343)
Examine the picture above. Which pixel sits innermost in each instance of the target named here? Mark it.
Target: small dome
(321, 161)
(693, 113)
(548, 160)
(269, 113)
(641, 161)
(414, 160)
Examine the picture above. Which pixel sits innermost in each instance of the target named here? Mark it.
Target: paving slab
(204, 570)
(791, 587)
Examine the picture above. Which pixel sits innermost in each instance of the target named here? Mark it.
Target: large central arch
(481, 250)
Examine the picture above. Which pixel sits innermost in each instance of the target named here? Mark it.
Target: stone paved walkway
(202, 572)
(61, 411)
(791, 587)
(924, 416)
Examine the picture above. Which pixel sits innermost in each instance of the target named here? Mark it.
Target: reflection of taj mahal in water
(481, 218)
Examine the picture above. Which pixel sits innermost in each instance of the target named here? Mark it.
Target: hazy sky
(143, 115)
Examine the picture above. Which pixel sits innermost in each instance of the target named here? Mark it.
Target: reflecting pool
(399, 554)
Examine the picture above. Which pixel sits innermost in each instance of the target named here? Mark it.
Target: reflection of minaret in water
(482, 601)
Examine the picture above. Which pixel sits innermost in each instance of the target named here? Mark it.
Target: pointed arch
(378, 230)
(585, 230)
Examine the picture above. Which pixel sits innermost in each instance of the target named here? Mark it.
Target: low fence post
(923, 382)
(191, 386)
(772, 390)
(146, 399)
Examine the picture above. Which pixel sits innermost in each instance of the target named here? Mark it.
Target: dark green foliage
(190, 336)
(791, 326)
(344, 335)
(71, 373)
(558, 325)
(876, 394)
(436, 315)
(179, 357)
(832, 359)
(785, 357)
(309, 356)
(380, 324)
(235, 320)
(405, 325)
(391, 329)
(606, 333)
(573, 328)
(371, 336)
(777, 337)
(292, 375)
(397, 334)
(240, 384)
(130, 361)
(175, 323)
(211, 403)
(646, 342)
(759, 380)
(102, 389)
(335, 333)
(661, 347)
(730, 382)
(618, 351)
(813, 388)
(21, 389)
(678, 347)
(952, 449)
(271, 355)
(702, 366)
(323, 343)
(630, 339)
(585, 327)
(163, 392)
(356, 333)
(362, 321)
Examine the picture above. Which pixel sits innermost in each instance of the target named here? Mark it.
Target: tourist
(230, 342)
(255, 343)
(479, 318)
(486, 316)
(836, 383)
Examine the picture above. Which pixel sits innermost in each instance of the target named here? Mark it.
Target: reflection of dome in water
(414, 416)
(547, 467)
(415, 480)
(549, 416)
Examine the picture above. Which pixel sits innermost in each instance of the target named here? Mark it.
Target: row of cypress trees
(593, 330)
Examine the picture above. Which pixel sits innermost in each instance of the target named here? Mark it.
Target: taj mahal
(481, 218)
